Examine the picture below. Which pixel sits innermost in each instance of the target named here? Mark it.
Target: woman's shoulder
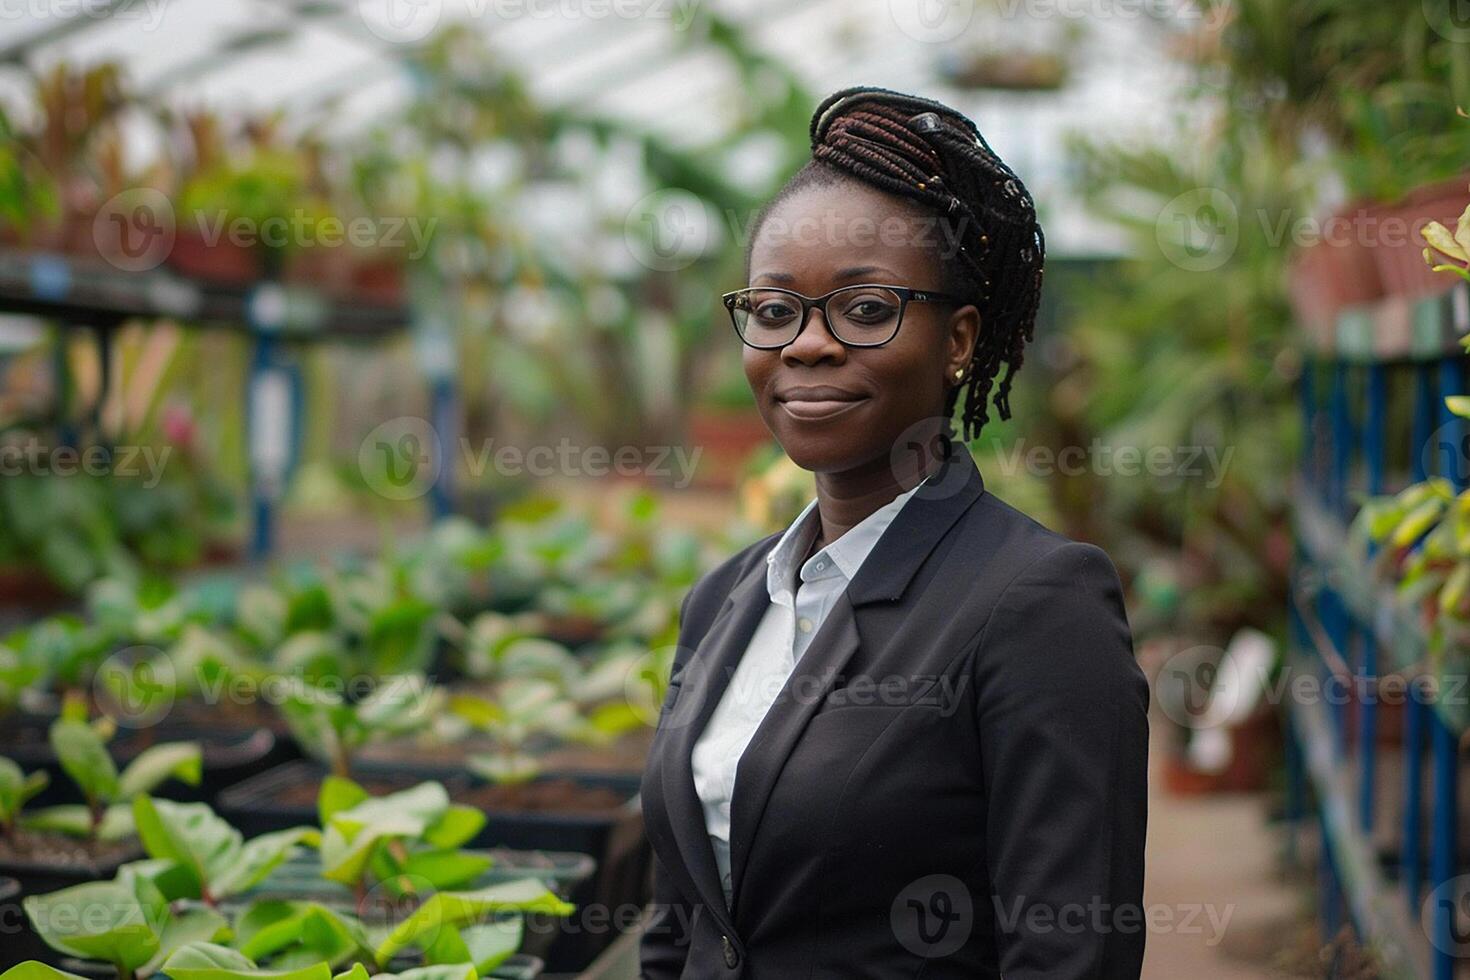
(1001, 534)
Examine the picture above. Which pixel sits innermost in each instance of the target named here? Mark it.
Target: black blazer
(952, 783)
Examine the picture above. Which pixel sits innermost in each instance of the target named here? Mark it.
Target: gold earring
(959, 374)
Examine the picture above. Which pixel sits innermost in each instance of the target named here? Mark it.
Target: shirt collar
(842, 557)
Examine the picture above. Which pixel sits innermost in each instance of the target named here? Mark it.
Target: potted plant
(52, 846)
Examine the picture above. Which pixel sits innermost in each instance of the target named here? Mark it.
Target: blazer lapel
(885, 574)
(706, 676)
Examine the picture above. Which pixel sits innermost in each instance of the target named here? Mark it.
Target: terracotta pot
(223, 262)
(378, 281)
(1254, 745)
(320, 267)
(1398, 237)
(726, 439)
(1329, 276)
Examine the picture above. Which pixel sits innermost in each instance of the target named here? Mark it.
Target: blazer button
(731, 957)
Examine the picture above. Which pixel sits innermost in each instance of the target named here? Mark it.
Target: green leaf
(75, 820)
(84, 757)
(153, 766)
(36, 970)
(207, 961)
(16, 788)
(189, 834)
(205, 956)
(196, 925)
(257, 859)
(446, 868)
(116, 921)
(460, 971)
(455, 909)
(1456, 587)
(485, 946)
(337, 794)
(1458, 404)
(456, 827)
(271, 927)
(1418, 520)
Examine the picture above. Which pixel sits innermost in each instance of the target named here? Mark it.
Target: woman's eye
(869, 310)
(774, 311)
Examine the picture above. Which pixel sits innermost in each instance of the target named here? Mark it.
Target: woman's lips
(817, 409)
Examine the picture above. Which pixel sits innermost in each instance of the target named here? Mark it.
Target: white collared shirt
(795, 613)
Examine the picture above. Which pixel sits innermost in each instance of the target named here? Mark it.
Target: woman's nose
(814, 343)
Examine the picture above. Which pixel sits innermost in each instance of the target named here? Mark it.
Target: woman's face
(823, 238)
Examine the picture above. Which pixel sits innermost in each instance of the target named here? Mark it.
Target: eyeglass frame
(906, 295)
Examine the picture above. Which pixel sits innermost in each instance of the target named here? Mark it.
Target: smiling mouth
(818, 409)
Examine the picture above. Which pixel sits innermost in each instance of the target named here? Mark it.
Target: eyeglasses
(865, 315)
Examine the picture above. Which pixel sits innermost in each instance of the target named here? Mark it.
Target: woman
(906, 737)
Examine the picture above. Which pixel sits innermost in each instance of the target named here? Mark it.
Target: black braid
(926, 152)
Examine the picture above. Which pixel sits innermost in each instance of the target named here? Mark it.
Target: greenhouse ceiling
(339, 63)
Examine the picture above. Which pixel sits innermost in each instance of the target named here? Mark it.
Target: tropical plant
(125, 923)
(408, 841)
(1422, 536)
(81, 749)
(333, 729)
(1452, 245)
(198, 855)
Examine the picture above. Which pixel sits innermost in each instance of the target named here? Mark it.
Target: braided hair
(926, 152)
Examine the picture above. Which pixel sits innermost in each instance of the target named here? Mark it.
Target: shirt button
(804, 624)
(731, 957)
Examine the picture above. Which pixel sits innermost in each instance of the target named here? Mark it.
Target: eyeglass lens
(856, 315)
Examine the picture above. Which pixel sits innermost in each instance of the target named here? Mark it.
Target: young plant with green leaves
(1452, 245)
(333, 729)
(409, 842)
(1422, 534)
(16, 790)
(81, 749)
(197, 855)
(126, 923)
(519, 709)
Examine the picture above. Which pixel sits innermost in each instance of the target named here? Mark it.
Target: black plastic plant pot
(53, 862)
(612, 835)
(229, 757)
(299, 878)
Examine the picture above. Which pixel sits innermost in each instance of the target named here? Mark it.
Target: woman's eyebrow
(857, 271)
(851, 272)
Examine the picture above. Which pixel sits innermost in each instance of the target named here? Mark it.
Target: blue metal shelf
(1350, 626)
